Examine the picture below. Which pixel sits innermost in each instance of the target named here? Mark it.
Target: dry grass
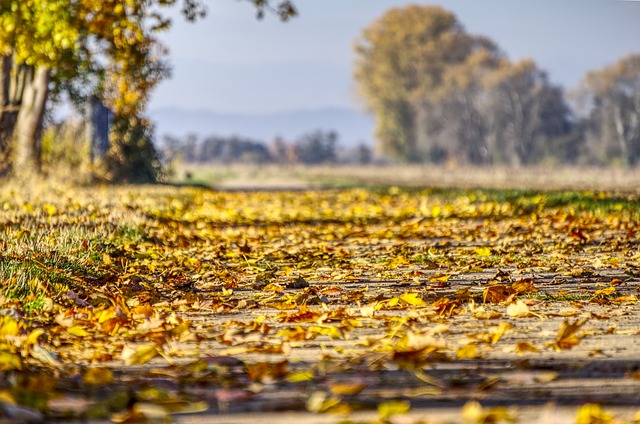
(539, 178)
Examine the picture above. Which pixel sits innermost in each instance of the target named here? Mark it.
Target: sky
(231, 62)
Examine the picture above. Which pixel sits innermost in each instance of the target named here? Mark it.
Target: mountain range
(353, 127)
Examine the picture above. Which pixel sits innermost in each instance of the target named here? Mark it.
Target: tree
(454, 119)
(400, 59)
(528, 115)
(439, 93)
(103, 48)
(611, 98)
(316, 147)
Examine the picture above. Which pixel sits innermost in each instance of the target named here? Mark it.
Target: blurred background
(453, 84)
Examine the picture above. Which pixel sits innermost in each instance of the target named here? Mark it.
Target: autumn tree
(611, 99)
(400, 59)
(102, 48)
(439, 93)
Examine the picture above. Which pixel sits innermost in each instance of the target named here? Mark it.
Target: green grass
(23, 279)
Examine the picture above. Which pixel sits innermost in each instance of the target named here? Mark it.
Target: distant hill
(352, 127)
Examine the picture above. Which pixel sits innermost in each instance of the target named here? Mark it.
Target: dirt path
(312, 306)
(539, 387)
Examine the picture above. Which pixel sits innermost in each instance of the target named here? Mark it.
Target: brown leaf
(567, 335)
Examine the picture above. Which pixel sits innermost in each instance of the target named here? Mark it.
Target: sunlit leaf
(412, 299)
(300, 376)
(474, 413)
(321, 402)
(135, 354)
(390, 409)
(346, 388)
(10, 361)
(518, 310)
(78, 331)
(8, 326)
(440, 278)
(468, 351)
(593, 414)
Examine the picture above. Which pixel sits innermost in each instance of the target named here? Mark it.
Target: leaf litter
(143, 303)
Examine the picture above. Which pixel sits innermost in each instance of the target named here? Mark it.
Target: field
(326, 295)
(297, 177)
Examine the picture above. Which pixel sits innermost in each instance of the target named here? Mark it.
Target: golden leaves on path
(322, 293)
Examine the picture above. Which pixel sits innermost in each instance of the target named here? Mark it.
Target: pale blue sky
(229, 62)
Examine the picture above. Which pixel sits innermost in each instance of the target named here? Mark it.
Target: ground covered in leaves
(137, 304)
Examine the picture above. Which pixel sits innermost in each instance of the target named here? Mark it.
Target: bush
(132, 157)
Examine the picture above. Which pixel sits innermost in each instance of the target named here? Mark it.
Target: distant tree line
(313, 148)
(440, 94)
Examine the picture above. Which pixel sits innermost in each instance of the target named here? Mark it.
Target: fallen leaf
(390, 409)
(593, 414)
(567, 337)
(135, 354)
(525, 347)
(412, 299)
(346, 388)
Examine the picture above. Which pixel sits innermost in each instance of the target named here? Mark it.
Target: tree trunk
(8, 111)
(29, 121)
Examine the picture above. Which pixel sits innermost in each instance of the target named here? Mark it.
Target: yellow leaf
(474, 413)
(329, 330)
(387, 410)
(605, 292)
(412, 299)
(439, 278)
(283, 305)
(10, 361)
(273, 287)
(346, 389)
(518, 310)
(319, 402)
(593, 414)
(496, 333)
(33, 336)
(436, 211)
(468, 351)
(78, 331)
(6, 397)
(298, 377)
(8, 326)
(483, 252)
(139, 354)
